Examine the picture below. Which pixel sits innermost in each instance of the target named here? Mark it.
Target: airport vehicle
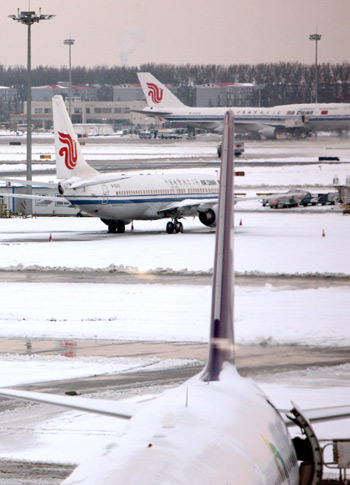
(217, 427)
(166, 134)
(145, 135)
(298, 119)
(238, 147)
(119, 199)
(295, 197)
(292, 198)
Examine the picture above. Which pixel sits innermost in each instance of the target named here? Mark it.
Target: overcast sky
(132, 32)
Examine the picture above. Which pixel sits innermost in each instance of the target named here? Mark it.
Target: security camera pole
(29, 18)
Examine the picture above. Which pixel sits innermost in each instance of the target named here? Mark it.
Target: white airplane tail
(70, 161)
(157, 95)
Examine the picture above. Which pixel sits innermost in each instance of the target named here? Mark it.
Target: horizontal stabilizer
(151, 112)
(38, 197)
(116, 409)
(103, 179)
(30, 182)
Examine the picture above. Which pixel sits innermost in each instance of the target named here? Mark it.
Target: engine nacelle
(60, 189)
(208, 216)
(268, 132)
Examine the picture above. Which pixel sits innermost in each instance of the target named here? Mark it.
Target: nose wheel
(174, 226)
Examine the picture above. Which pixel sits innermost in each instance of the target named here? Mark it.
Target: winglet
(221, 343)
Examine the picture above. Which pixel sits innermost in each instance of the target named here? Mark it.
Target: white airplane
(216, 428)
(268, 122)
(118, 200)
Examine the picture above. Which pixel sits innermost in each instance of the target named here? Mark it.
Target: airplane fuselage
(142, 197)
(222, 433)
(307, 117)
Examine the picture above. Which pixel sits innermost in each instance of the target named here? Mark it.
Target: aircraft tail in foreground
(157, 95)
(221, 346)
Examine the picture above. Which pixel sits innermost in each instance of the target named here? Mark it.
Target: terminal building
(228, 94)
(119, 114)
(128, 92)
(7, 94)
(45, 93)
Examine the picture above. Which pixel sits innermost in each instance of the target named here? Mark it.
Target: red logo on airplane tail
(155, 92)
(69, 151)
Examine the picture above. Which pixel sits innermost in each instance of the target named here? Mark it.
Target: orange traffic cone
(132, 225)
(323, 233)
(50, 237)
(241, 223)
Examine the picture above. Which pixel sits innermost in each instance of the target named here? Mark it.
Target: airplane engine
(268, 132)
(60, 189)
(208, 216)
(219, 129)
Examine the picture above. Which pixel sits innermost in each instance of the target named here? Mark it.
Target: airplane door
(105, 194)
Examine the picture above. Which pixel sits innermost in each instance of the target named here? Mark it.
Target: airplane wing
(318, 415)
(30, 182)
(116, 409)
(187, 207)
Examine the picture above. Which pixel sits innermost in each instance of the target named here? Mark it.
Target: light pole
(316, 37)
(70, 42)
(29, 18)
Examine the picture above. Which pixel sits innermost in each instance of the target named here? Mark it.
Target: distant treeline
(285, 82)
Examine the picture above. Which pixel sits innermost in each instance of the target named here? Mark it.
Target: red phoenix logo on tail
(69, 151)
(155, 92)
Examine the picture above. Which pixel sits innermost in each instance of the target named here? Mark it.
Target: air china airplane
(117, 200)
(268, 122)
(216, 428)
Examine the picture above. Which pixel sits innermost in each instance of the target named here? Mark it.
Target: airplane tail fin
(70, 161)
(221, 343)
(156, 94)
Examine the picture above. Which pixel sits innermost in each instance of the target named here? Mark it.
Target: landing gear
(175, 226)
(114, 226)
(179, 227)
(170, 227)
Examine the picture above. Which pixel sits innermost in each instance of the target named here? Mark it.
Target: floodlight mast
(29, 18)
(316, 37)
(70, 42)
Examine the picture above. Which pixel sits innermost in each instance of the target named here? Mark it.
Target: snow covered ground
(266, 243)
(156, 312)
